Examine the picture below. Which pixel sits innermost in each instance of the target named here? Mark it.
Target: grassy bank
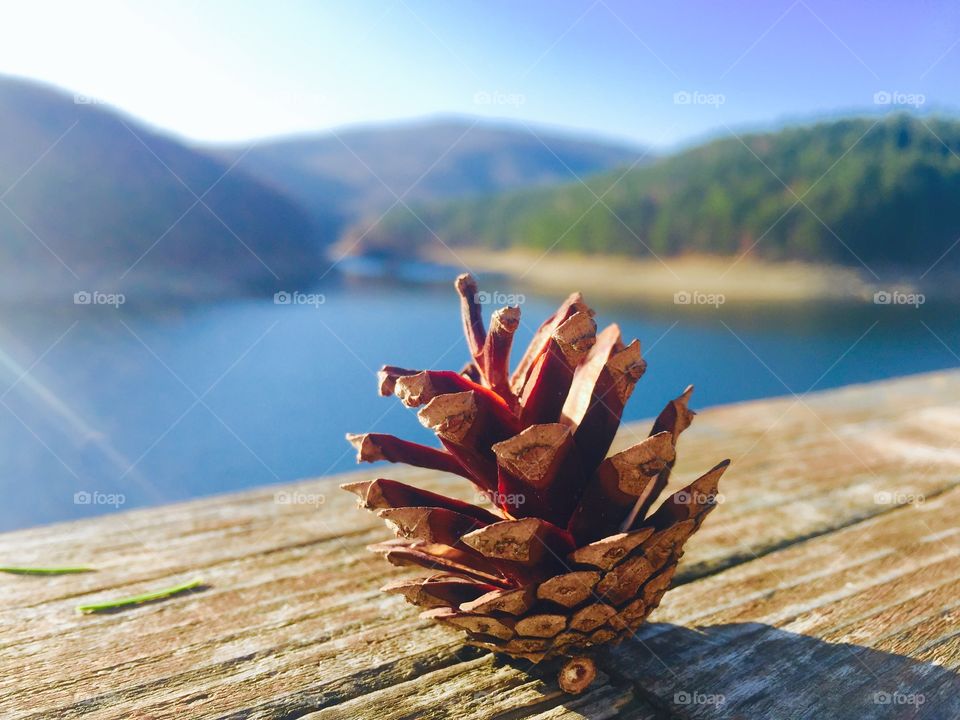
(746, 280)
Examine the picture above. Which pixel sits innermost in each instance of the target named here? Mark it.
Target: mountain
(358, 173)
(881, 190)
(92, 200)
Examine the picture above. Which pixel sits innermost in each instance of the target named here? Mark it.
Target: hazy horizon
(613, 71)
(586, 134)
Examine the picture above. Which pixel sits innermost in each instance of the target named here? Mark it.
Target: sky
(653, 73)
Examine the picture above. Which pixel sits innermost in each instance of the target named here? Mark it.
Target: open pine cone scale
(569, 552)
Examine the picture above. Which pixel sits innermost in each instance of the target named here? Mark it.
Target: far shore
(694, 279)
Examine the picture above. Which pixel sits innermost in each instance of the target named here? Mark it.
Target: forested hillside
(94, 200)
(357, 173)
(886, 191)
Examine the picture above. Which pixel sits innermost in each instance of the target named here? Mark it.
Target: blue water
(138, 406)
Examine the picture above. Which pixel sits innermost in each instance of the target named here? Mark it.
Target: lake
(105, 408)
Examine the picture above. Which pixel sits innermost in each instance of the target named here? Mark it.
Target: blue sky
(655, 73)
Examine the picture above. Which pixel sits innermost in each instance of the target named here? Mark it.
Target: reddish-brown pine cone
(570, 549)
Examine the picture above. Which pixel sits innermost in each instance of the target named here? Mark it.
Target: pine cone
(567, 555)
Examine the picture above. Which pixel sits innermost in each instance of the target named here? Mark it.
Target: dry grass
(626, 278)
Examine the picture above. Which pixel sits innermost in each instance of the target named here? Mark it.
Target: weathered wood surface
(815, 590)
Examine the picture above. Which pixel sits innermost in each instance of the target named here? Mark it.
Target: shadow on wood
(744, 671)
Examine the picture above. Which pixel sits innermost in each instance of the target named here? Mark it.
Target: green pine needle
(139, 599)
(15, 570)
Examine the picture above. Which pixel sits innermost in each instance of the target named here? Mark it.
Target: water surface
(141, 405)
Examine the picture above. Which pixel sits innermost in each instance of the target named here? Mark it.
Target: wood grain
(815, 585)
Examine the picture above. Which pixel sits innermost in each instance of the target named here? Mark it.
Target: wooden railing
(826, 585)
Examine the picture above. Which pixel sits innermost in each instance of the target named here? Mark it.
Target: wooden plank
(292, 622)
(862, 622)
(809, 466)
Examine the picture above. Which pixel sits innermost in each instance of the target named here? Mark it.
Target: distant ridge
(93, 200)
(353, 173)
(879, 191)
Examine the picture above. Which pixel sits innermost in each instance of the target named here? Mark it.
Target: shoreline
(696, 279)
